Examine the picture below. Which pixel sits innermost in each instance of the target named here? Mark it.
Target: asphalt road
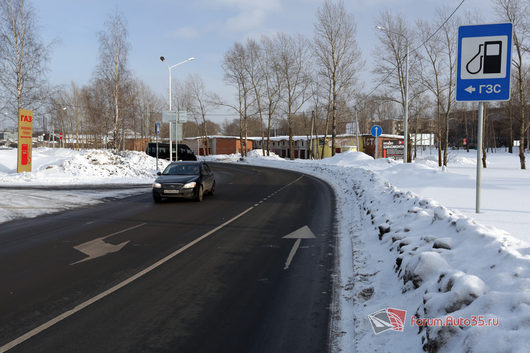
(215, 276)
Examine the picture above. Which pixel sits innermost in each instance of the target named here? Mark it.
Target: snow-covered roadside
(400, 250)
(59, 166)
(66, 168)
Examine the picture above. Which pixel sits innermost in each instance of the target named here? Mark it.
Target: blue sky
(204, 29)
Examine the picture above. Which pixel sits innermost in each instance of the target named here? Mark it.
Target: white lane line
(140, 274)
(109, 291)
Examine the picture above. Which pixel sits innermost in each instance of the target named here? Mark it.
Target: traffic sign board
(182, 116)
(376, 130)
(484, 62)
(169, 116)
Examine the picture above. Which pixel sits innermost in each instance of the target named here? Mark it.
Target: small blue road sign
(157, 128)
(484, 62)
(376, 130)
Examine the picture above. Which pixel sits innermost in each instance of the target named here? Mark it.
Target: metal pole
(170, 142)
(376, 155)
(311, 147)
(479, 154)
(357, 130)
(406, 113)
(176, 136)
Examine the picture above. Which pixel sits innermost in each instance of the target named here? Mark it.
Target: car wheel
(200, 194)
(157, 198)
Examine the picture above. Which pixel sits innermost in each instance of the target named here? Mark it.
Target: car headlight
(157, 185)
(189, 185)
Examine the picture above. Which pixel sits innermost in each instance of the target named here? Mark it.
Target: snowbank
(68, 167)
(400, 250)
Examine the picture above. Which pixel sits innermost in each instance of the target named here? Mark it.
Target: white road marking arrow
(98, 247)
(470, 89)
(302, 233)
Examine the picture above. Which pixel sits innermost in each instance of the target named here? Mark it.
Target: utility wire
(413, 51)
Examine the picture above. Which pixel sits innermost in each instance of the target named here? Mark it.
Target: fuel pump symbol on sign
(488, 59)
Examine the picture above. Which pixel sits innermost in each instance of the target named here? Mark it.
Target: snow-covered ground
(408, 239)
(56, 170)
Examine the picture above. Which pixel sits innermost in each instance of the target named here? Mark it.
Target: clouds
(249, 14)
(184, 33)
(231, 16)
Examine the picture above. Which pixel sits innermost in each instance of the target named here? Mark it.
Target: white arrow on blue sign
(484, 62)
(376, 130)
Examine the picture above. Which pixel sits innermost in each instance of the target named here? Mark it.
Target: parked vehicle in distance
(184, 152)
(190, 179)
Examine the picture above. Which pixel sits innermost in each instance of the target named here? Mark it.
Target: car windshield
(183, 169)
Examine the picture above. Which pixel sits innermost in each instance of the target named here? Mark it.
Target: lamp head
(162, 58)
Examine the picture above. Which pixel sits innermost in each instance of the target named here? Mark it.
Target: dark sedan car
(184, 179)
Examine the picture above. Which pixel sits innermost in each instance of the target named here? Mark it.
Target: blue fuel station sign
(484, 62)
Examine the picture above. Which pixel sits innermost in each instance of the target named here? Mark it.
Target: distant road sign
(484, 62)
(376, 130)
(157, 128)
(169, 116)
(182, 116)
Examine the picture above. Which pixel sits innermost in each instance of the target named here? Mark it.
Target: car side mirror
(159, 173)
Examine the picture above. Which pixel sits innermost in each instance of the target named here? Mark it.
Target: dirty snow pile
(95, 174)
(400, 250)
(65, 166)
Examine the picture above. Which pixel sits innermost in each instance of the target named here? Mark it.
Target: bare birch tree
(395, 36)
(516, 12)
(438, 70)
(271, 81)
(293, 58)
(255, 67)
(337, 54)
(112, 69)
(200, 104)
(236, 75)
(23, 59)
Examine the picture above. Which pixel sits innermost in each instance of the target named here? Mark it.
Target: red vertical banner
(25, 139)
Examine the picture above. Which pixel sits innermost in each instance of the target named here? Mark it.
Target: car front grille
(173, 186)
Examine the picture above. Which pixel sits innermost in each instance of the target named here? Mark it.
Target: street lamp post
(169, 68)
(406, 102)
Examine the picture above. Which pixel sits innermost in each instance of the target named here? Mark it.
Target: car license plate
(171, 191)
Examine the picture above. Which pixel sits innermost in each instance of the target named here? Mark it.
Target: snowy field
(409, 239)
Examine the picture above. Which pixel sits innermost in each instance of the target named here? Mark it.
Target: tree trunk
(269, 133)
(325, 136)
(334, 115)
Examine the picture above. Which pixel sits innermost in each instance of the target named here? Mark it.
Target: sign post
(25, 140)
(157, 132)
(168, 116)
(483, 73)
(376, 131)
